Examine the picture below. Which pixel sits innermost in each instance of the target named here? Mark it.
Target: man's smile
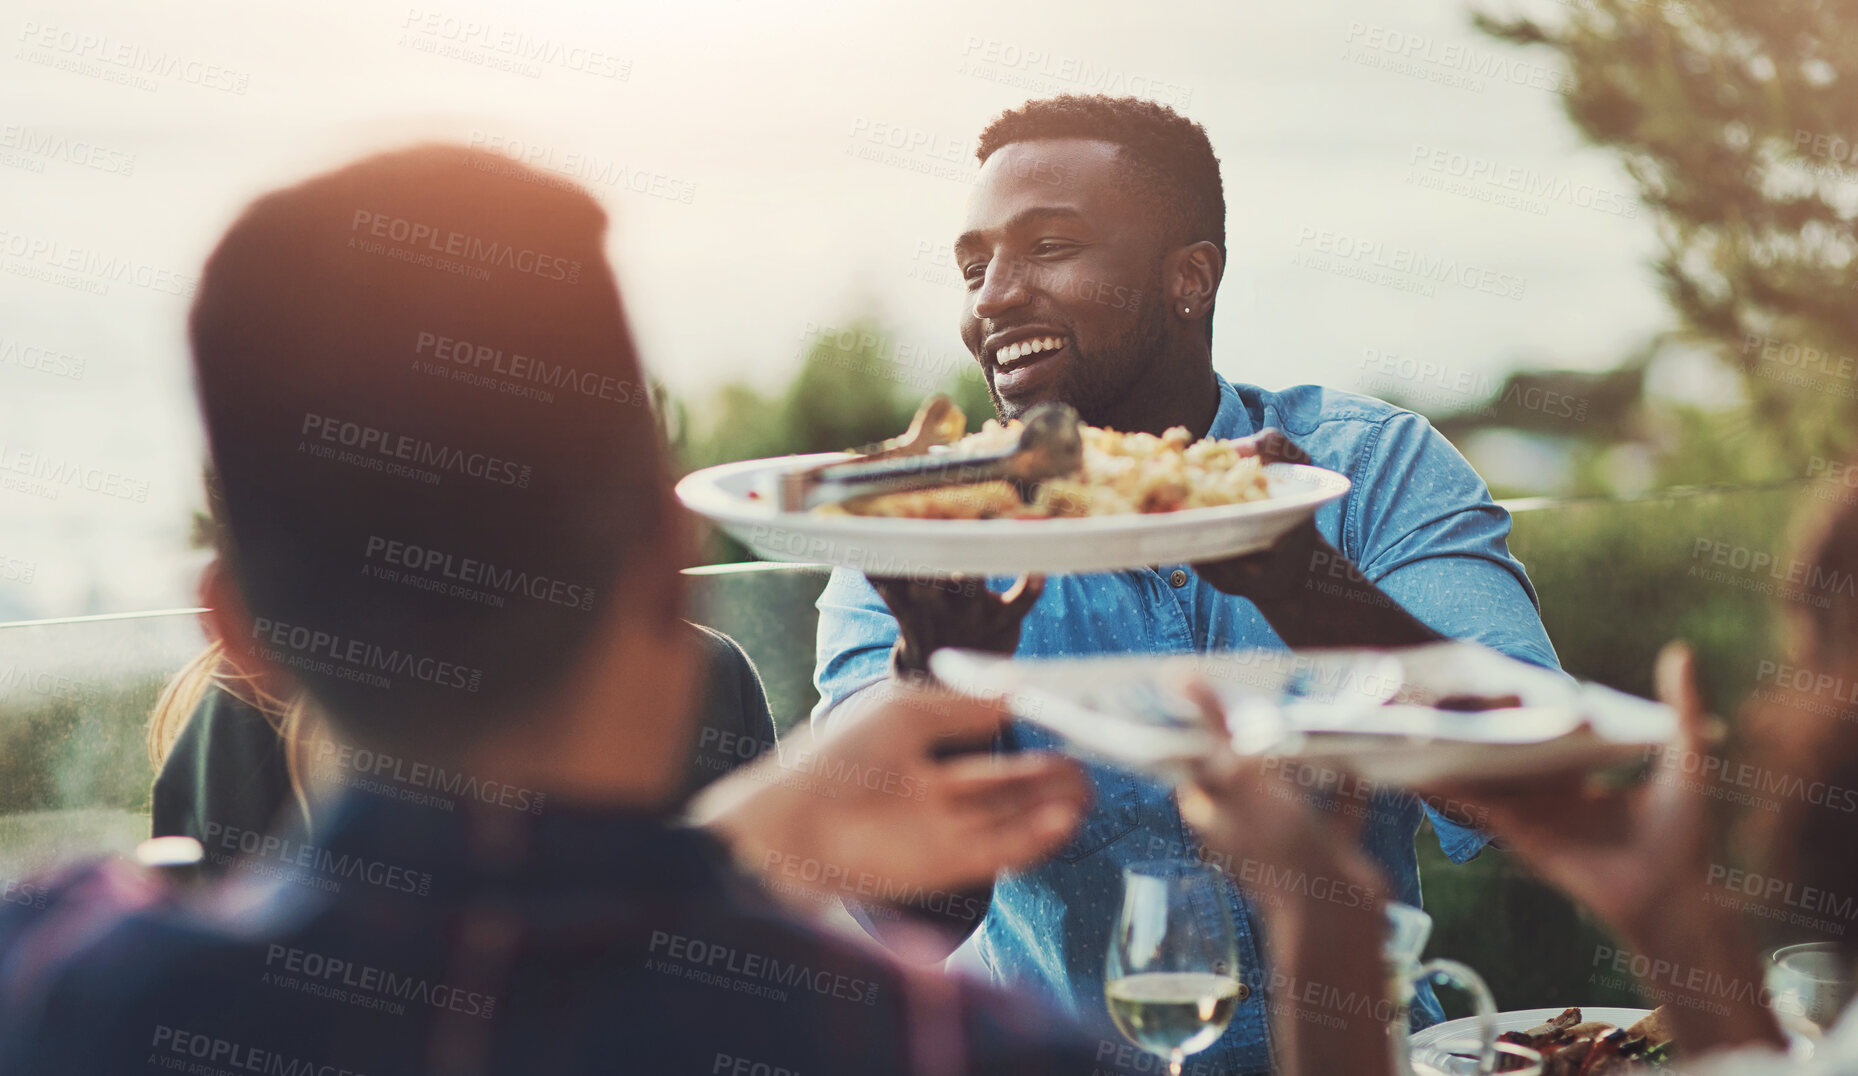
(1012, 353)
(1022, 360)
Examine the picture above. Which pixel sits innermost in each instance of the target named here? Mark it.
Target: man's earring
(1187, 309)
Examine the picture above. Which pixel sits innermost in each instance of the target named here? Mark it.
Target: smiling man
(1095, 335)
(1093, 252)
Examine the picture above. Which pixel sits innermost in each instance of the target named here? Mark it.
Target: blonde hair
(293, 718)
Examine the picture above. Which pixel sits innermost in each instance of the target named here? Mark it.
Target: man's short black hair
(431, 438)
(1167, 155)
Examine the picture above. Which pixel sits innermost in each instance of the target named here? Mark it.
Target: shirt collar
(1232, 419)
(543, 844)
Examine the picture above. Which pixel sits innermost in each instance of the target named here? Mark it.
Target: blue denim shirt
(1418, 522)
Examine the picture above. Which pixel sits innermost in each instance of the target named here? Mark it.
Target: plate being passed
(1411, 716)
(1425, 1043)
(741, 497)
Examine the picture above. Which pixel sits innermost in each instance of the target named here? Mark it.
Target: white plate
(1425, 1043)
(1325, 707)
(741, 497)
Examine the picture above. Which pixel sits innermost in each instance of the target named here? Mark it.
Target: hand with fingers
(1322, 902)
(903, 800)
(1619, 852)
(1639, 859)
(1286, 562)
(954, 611)
(1252, 811)
(1309, 592)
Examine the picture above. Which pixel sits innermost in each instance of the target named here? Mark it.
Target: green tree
(1736, 119)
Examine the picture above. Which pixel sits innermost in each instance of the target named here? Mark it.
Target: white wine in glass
(1170, 981)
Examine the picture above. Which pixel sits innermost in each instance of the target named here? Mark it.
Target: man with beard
(1093, 250)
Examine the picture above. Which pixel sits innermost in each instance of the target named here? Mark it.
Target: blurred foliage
(1728, 116)
(83, 750)
(852, 389)
(1617, 580)
(1734, 118)
(1533, 948)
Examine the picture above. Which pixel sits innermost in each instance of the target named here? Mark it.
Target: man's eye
(1049, 246)
(974, 274)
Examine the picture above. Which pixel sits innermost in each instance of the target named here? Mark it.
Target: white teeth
(1012, 353)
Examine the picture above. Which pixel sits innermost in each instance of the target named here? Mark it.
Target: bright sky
(772, 166)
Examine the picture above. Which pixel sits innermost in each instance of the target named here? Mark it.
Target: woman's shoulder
(719, 649)
(223, 728)
(227, 767)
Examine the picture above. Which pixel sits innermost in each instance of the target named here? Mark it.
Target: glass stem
(1175, 1057)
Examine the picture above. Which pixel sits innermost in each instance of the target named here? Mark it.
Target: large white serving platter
(741, 497)
(1327, 708)
(1426, 1043)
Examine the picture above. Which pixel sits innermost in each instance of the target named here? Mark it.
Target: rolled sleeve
(856, 633)
(1427, 533)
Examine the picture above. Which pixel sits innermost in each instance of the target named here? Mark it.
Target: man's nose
(1005, 287)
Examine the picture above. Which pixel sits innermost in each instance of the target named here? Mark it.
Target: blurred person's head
(210, 670)
(1097, 222)
(1802, 735)
(445, 515)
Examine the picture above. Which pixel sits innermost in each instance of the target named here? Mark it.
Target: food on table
(1571, 1046)
(1122, 474)
(1469, 704)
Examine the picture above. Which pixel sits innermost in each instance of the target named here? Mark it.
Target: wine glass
(1172, 976)
(1810, 984)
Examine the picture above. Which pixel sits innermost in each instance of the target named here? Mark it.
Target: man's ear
(1192, 276)
(231, 623)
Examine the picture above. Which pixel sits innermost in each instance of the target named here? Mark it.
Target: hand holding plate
(1622, 853)
(1284, 565)
(954, 611)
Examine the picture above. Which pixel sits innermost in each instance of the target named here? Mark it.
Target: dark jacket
(484, 941)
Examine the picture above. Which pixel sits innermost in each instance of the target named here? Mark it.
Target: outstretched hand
(1621, 853)
(1252, 811)
(883, 806)
(1323, 903)
(1639, 859)
(955, 611)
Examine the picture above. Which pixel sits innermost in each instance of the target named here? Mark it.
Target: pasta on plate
(1123, 474)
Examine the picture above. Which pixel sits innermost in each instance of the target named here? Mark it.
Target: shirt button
(1177, 577)
(1244, 991)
